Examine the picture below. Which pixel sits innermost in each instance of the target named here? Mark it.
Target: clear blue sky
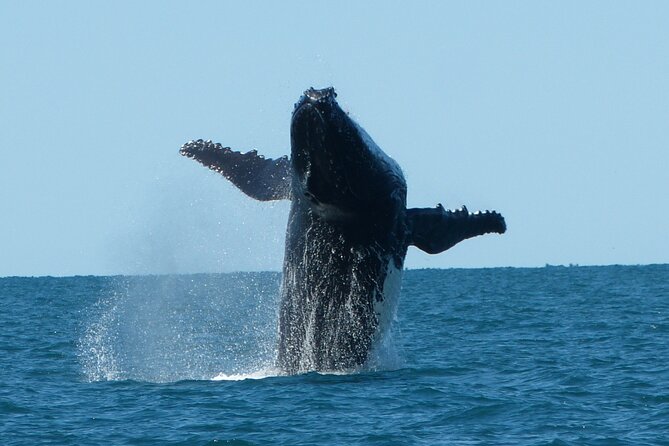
(554, 113)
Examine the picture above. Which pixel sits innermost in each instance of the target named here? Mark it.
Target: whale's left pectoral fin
(434, 230)
(258, 177)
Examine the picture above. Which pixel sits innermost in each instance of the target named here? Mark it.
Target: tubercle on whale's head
(313, 96)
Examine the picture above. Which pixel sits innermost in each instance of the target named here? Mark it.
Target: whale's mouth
(319, 151)
(308, 139)
(309, 123)
(314, 127)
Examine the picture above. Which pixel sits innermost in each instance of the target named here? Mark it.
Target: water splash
(96, 349)
(190, 327)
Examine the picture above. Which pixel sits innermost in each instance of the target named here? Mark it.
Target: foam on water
(260, 374)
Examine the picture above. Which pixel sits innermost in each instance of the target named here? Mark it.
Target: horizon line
(545, 266)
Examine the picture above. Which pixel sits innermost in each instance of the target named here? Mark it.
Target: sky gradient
(556, 114)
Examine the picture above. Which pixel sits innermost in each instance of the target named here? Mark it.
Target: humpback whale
(348, 232)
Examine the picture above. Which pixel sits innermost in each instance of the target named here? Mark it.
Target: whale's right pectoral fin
(434, 230)
(258, 177)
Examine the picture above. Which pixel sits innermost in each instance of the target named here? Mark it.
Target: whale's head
(336, 164)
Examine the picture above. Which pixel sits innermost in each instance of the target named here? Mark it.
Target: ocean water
(544, 356)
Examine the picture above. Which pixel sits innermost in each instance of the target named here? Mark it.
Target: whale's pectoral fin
(258, 177)
(434, 230)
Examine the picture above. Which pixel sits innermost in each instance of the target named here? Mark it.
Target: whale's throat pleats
(333, 304)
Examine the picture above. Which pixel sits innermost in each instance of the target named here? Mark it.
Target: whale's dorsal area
(347, 235)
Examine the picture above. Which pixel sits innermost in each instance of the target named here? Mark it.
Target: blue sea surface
(535, 356)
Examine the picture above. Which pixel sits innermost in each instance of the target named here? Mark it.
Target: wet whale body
(348, 232)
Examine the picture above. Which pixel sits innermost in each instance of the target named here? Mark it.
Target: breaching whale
(347, 236)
